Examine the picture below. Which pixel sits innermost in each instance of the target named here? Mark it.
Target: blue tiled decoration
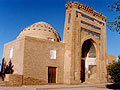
(76, 14)
(90, 32)
(68, 28)
(83, 15)
(90, 25)
(69, 18)
(90, 18)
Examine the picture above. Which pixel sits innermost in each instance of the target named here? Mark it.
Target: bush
(114, 70)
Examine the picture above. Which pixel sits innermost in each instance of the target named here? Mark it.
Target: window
(76, 14)
(68, 28)
(103, 24)
(37, 26)
(52, 54)
(69, 18)
(51, 39)
(11, 53)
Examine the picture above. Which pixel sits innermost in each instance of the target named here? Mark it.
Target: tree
(6, 69)
(119, 57)
(114, 70)
(3, 67)
(9, 68)
(115, 25)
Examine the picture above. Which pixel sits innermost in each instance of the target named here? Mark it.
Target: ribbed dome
(41, 30)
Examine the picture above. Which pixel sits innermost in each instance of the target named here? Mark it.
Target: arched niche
(88, 60)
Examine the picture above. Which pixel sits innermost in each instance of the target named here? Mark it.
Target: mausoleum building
(39, 55)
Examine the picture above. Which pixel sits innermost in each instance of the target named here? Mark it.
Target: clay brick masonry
(39, 56)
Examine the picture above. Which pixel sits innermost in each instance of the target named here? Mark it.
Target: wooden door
(51, 74)
(82, 70)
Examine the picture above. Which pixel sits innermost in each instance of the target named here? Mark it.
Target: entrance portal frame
(95, 42)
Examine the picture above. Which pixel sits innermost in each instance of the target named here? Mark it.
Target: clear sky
(15, 15)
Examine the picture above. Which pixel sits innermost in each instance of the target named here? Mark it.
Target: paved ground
(58, 87)
(14, 88)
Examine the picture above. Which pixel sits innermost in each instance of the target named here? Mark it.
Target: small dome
(41, 30)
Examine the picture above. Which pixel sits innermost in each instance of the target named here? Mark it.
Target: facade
(39, 55)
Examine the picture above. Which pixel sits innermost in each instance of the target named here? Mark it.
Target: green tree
(6, 69)
(114, 70)
(9, 68)
(3, 67)
(115, 25)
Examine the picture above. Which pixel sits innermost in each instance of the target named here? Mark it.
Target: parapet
(85, 8)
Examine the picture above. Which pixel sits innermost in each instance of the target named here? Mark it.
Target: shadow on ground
(114, 86)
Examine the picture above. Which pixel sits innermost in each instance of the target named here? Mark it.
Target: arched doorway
(88, 60)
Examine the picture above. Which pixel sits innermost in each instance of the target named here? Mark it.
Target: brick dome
(40, 30)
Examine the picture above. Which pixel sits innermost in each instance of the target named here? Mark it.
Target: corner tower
(85, 39)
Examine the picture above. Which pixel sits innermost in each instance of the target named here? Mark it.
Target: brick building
(39, 55)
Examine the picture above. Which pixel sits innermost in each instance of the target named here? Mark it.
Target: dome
(40, 30)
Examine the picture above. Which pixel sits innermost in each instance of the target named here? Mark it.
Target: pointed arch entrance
(88, 60)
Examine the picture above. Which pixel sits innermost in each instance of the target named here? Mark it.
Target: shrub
(114, 70)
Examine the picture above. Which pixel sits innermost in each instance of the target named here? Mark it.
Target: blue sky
(15, 15)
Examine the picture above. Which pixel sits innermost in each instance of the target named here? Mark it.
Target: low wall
(14, 79)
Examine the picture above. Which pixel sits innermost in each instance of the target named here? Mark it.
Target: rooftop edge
(85, 8)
